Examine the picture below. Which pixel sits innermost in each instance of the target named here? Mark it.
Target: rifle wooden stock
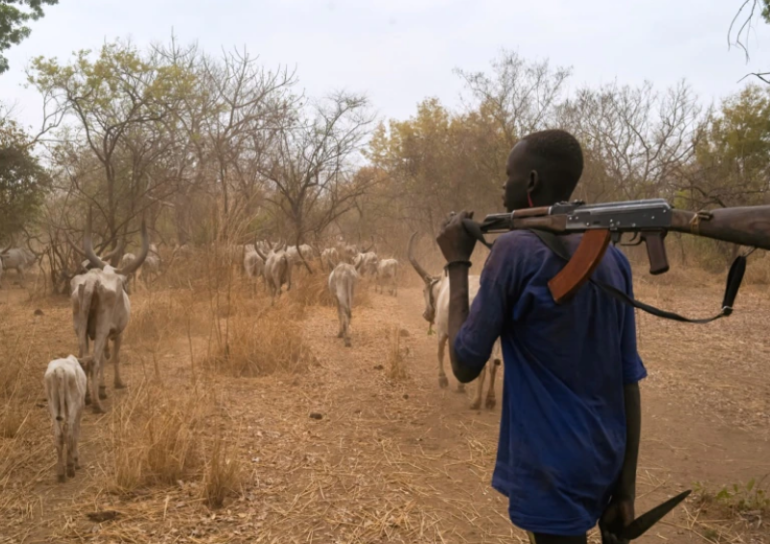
(575, 274)
(747, 226)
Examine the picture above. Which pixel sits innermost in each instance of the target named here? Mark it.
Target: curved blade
(641, 524)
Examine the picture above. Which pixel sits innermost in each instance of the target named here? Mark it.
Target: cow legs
(58, 437)
(117, 341)
(98, 375)
(345, 326)
(76, 438)
(442, 379)
(491, 401)
(341, 332)
(479, 382)
(70, 439)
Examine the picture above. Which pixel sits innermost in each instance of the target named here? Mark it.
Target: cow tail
(60, 393)
(349, 303)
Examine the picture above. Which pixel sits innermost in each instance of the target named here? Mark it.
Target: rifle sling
(734, 278)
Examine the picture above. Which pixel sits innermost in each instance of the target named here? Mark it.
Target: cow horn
(134, 265)
(88, 245)
(261, 256)
(420, 270)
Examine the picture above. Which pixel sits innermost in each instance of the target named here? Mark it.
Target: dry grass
(155, 438)
(267, 341)
(311, 290)
(223, 476)
(391, 459)
(396, 356)
(11, 420)
(160, 315)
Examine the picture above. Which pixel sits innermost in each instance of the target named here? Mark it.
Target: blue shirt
(563, 428)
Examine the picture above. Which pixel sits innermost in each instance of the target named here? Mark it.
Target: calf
(65, 388)
(342, 283)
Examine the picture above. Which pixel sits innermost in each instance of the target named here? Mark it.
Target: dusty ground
(390, 460)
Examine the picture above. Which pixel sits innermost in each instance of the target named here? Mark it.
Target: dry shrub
(311, 290)
(12, 417)
(262, 343)
(757, 271)
(155, 437)
(21, 382)
(223, 475)
(161, 315)
(396, 356)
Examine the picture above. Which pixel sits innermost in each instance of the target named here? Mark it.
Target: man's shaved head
(544, 167)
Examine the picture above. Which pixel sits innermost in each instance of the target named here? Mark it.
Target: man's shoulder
(518, 239)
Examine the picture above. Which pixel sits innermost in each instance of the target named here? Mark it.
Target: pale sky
(399, 52)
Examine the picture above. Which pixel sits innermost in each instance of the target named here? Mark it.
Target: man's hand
(455, 242)
(618, 515)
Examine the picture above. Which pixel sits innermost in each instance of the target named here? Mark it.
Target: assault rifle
(648, 220)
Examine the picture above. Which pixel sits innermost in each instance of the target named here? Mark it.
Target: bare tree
(519, 95)
(312, 164)
(640, 139)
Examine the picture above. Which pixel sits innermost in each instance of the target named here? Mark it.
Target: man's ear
(534, 181)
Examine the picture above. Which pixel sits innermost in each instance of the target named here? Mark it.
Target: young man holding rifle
(571, 414)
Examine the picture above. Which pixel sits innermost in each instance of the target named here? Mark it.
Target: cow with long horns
(277, 269)
(436, 293)
(100, 311)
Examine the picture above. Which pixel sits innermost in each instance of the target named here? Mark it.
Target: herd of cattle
(101, 310)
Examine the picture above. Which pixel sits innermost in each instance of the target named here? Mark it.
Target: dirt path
(398, 460)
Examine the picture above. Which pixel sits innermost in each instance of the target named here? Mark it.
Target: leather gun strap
(734, 278)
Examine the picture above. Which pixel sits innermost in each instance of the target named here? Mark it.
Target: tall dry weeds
(155, 437)
(223, 475)
(268, 341)
(22, 366)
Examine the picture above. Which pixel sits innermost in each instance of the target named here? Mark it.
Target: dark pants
(540, 538)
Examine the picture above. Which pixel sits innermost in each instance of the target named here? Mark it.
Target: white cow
(277, 270)
(18, 258)
(253, 265)
(100, 311)
(293, 254)
(330, 257)
(366, 263)
(436, 293)
(342, 283)
(151, 267)
(387, 273)
(65, 388)
(347, 252)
